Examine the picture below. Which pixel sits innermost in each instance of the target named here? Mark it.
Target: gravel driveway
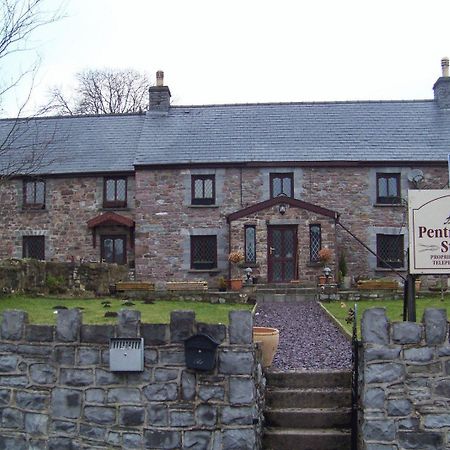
(308, 337)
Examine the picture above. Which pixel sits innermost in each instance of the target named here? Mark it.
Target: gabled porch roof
(110, 218)
(293, 202)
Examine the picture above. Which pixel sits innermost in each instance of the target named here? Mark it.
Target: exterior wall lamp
(282, 209)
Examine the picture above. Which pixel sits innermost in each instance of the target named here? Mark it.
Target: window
(114, 249)
(203, 252)
(115, 192)
(388, 188)
(250, 244)
(281, 184)
(34, 194)
(33, 247)
(203, 189)
(390, 250)
(315, 242)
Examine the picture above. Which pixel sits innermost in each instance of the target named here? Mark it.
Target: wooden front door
(282, 253)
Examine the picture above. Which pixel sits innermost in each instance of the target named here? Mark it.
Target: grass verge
(42, 310)
(394, 309)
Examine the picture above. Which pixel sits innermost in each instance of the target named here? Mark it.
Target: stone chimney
(442, 86)
(159, 94)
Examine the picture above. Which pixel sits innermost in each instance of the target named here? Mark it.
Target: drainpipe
(229, 249)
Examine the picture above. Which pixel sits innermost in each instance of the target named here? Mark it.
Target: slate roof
(342, 131)
(290, 132)
(85, 144)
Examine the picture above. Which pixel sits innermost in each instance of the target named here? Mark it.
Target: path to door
(308, 338)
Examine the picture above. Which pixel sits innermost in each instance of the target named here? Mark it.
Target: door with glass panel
(282, 253)
(113, 249)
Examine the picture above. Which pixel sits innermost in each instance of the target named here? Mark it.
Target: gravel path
(308, 337)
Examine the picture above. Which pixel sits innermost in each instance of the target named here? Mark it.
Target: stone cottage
(173, 190)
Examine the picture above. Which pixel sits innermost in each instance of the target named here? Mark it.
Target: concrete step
(306, 439)
(308, 398)
(308, 418)
(309, 379)
(264, 297)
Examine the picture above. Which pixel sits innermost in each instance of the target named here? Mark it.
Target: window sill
(212, 271)
(315, 264)
(388, 205)
(203, 206)
(115, 208)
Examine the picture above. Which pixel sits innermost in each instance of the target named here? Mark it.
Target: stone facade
(57, 392)
(405, 382)
(159, 202)
(70, 202)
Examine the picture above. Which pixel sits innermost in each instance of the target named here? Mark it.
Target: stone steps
(308, 398)
(306, 439)
(308, 417)
(308, 410)
(287, 296)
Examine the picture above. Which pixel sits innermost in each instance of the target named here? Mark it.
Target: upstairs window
(250, 244)
(115, 192)
(315, 242)
(203, 189)
(281, 184)
(388, 188)
(203, 252)
(33, 247)
(390, 250)
(34, 194)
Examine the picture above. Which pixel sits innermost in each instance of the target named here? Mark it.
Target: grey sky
(246, 51)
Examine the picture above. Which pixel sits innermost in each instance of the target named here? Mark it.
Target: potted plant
(343, 272)
(236, 281)
(325, 255)
(222, 284)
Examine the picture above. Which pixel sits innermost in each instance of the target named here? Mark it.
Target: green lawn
(394, 309)
(41, 310)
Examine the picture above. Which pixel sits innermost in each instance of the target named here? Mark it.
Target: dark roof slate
(81, 144)
(342, 131)
(278, 133)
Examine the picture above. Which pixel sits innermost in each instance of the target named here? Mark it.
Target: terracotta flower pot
(269, 338)
(236, 284)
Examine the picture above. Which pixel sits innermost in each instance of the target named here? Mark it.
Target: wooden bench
(187, 285)
(377, 285)
(135, 286)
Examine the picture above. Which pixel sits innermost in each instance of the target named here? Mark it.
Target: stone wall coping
(69, 328)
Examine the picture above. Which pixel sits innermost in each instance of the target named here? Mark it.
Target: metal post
(411, 296)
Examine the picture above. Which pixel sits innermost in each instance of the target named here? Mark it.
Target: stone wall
(405, 382)
(57, 392)
(32, 276)
(70, 203)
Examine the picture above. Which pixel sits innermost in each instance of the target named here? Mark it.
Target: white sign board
(429, 231)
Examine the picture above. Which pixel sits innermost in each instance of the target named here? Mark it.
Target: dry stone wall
(405, 382)
(57, 392)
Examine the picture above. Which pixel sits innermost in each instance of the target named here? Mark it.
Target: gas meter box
(126, 355)
(200, 351)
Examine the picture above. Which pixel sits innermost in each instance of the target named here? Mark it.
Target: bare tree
(23, 146)
(103, 91)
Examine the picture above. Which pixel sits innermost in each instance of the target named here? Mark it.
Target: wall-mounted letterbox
(200, 351)
(126, 355)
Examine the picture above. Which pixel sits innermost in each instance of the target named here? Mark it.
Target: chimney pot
(442, 86)
(159, 78)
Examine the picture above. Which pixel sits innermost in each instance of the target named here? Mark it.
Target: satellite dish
(415, 176)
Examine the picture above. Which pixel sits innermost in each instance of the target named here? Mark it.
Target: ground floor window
(203, 252)
(390, 250)
(113, 249)
(33, 247)
(315, 242)
(250, 244)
